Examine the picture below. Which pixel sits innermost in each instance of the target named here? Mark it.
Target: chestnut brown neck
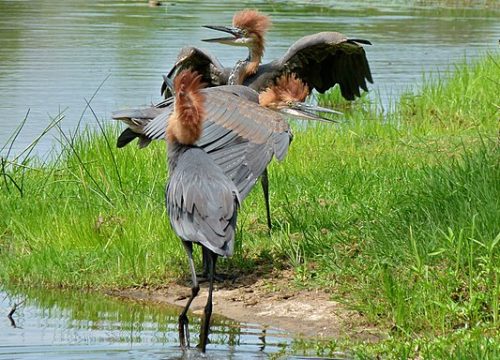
(255, 57)
(185, 123)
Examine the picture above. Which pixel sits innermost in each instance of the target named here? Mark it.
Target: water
(63, 325)
(54, 55)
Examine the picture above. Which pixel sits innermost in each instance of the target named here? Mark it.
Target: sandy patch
(269, 302)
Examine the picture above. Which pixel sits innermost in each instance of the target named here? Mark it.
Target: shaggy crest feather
(287, 88)
(185, 123)
(253, 21)
(257, 25)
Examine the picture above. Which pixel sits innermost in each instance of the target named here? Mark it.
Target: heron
(205, 189)
(249, 29)
(202, 202)
(242, 132)
(320, 60)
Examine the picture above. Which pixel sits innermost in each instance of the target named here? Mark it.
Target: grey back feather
(202, 202)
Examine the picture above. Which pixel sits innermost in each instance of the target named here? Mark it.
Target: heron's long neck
(255, 55)
(246, 68)
(238, 73)
(185, 123)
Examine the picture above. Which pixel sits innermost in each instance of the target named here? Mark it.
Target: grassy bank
(397, 215)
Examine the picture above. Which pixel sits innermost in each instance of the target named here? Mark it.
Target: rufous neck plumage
(185, 123)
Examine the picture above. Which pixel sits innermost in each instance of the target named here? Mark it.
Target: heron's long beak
(309, 111)
(167, 84)
(237, 39)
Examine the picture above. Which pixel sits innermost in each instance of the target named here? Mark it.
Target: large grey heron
(242, 131)
(320, 60)
(202, 202)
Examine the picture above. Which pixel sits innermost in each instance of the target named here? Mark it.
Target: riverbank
(395, 217)
(267, 300)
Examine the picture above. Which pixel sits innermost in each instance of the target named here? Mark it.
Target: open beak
(237, 39)
(309, 112)
(167, 84)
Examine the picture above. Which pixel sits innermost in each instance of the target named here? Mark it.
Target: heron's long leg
(206, 263)
(264, 180)
(195, 288)
(218, 277)
(203, 277)
(205, 325)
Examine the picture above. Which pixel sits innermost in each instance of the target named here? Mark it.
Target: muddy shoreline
(269, 302)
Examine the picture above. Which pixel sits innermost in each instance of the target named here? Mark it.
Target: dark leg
(195, 288)
(263, 339)
(204, 276)
(264, 180)
(206, 266)
(205, 324)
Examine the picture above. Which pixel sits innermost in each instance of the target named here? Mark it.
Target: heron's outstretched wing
(137, 119)
(202, 202)
(153, 119)
(212, 71)
(321, 60)
(240, 135)
(154, 128)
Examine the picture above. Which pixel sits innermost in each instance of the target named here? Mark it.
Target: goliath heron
(202, 202)
(207, 182)
(321, 60)
(243, 129)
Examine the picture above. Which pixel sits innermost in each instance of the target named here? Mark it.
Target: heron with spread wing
(320, 60)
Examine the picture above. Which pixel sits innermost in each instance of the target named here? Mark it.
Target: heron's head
(287, 96)
(248, 29)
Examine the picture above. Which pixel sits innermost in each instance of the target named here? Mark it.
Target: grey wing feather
(240, 135)
(151, 123)
(212, 71)
(246, 137)
(202, 202)
(321, 60)
(281, 142)
(157, 127)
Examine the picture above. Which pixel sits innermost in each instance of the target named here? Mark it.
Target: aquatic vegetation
(397, 215)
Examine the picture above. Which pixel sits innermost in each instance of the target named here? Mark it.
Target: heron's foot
(217, 277)
(184, 331)
(202, 345)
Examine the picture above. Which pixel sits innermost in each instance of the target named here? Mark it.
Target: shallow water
(54, 55)
(65, 325)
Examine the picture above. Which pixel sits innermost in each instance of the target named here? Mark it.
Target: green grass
(397, 215)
